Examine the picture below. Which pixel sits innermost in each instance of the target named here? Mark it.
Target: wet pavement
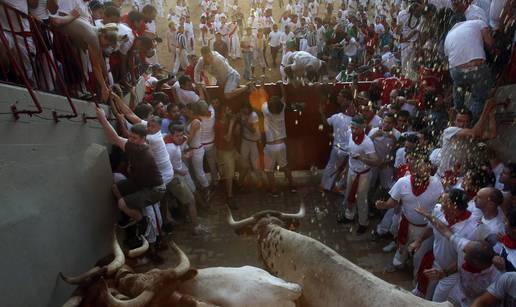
(222, 247)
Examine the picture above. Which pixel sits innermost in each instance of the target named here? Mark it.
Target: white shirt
(402, 192)
(375, 122)
(399, 160)
(127, 43)
(40, 12)
(174, 152)
(275, 39)
(67, 6)
(219, 68)
(207, 127)
(384, 145)
(444, 253)
(252, 119)
(340, 123)
(495, 11)
(365, 148)
(439, 4)
(160, 154)
(474, 12)
(464, 43)
(389, 60)
(185, 97)
(471, 285)
(406, 28)
(20, 6)
(274, 124)
(350, 47)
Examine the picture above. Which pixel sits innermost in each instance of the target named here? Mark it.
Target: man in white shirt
(275, 151)
(488, 201)
(436, 278)
(362, 156)
(350, 47)
(457, 139)
(384, 139)
(474, 264)
(464, 47)
(502, 290)
(470, 11)
(184, 91)
(178, 185)
(302, 65)
(418, 190)
(340, 123)
(218, 66)
(274, 42)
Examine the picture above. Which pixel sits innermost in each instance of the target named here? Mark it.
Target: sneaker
(292, 189)
(200, 229)
(391, 268)
(342, 219)
(361, 229)
(389, 247)
(274, 194)
(375, 236)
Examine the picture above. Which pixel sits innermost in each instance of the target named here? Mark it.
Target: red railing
(35, 70)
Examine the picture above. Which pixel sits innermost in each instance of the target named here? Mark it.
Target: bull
(116, 285)
(327, 278)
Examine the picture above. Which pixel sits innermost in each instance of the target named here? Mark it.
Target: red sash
(422, 279)
(404, 229)
(508, 242)
(352, 196)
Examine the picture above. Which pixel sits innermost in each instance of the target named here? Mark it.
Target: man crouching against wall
(144, 185)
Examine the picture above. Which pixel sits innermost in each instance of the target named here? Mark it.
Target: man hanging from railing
(86, 37)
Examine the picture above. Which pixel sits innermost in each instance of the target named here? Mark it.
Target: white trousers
(198, 167)
(333, 167)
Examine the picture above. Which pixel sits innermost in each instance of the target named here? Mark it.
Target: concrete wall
(505, 143)
(57, 208)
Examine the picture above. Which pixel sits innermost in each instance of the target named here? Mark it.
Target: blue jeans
(248, 58)
(478, 82)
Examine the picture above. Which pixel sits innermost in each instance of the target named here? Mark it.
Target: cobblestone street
(222, 247)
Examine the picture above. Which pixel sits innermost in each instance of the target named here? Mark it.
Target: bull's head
(126, 288)
(257, 223)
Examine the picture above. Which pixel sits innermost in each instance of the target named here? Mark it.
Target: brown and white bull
(327, 278)
(181, 286)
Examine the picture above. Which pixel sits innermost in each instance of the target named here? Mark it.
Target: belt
(197, 147)
(209, 143)
(276, 142)
(250, 140)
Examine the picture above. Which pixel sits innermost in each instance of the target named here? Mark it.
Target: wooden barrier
(308, 141)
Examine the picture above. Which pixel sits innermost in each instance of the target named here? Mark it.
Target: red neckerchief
(358, 139)
(508, 242)
(402, 171)
(468, 268)
(471, 194)
(418, 190)
(462, 217)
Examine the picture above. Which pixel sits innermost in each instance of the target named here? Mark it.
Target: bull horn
(73, 301)
(119, 259)
(80, 279)
(182, 267)
(111, 268)
(141, 300)
(238, 224)
(299, 215)
(133, 253)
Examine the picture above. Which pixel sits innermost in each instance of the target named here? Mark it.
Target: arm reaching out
(111, 134)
